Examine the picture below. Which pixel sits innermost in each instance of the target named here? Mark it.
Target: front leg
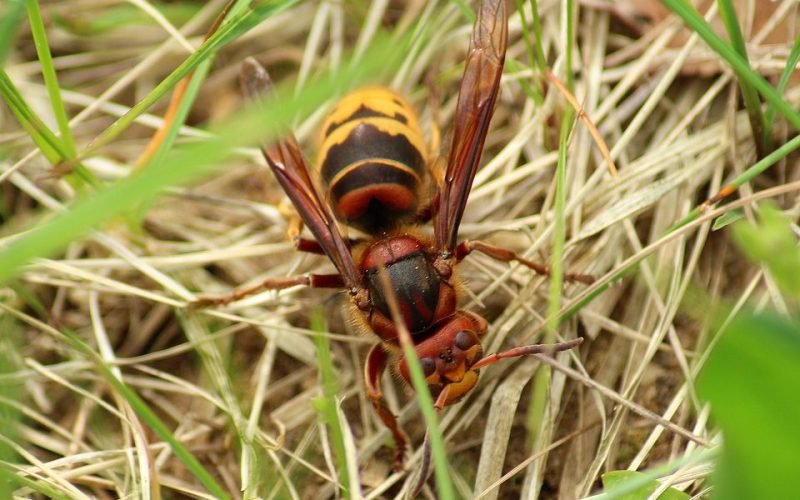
(374, 367)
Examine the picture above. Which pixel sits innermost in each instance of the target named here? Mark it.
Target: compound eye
(465, 339)
(428, 366)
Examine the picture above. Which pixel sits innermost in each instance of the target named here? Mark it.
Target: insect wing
(290, 168)
(476, 100)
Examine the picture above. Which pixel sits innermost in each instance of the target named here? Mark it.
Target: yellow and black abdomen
(372, 160)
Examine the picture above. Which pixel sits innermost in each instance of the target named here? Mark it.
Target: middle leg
(506, 255)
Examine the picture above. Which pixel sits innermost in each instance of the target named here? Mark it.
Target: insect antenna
(527, 350)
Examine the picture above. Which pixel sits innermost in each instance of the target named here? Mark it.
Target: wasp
(373, 173)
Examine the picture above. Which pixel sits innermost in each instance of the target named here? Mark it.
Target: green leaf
(727, 219)
(632, 485)
(773, 244)
(752, 380)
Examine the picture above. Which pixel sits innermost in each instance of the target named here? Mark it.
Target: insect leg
(271, 283)
(466, 247)
(374, 367)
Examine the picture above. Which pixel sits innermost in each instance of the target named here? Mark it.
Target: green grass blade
(746, 176)
(149, 417)
(238, 24)
(42, 136)
(260, 121)
(12, 478)
(559, 223)
(327, 404)
(619, 480)
(122, 15)
(538, 421)
(10, 14)
(788, 71)
(729, 54)
(536, 22)
(438, 452)
(527, 35)
(185, 107)
(10, 414)
(136, 403)
(749, 94)
(50, 79)
(466, 10)
(190, 95)
(51, 146)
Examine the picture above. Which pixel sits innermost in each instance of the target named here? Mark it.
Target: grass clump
(117, 388)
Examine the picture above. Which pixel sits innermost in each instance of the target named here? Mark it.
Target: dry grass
(236, 385)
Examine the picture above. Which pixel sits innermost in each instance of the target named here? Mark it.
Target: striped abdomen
(372, 159)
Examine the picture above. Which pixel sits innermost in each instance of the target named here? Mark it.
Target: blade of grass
(466, 10)
(536, 22)
(51, 146)
(118, 16)
(743, 70)
(559, 223)
(440, 465)
(527, 35)
(185, 106)
(229, 31)
(424, 398)
(9, 21)
(42, 136)
(259, 122)
(327, 404)
(50, 79)
(749, 94)
(144, 412)
(185, 94)
(788, 71)
(539, 421)
(9, 414)
(12, 476)
(629, 266)
(746, 176)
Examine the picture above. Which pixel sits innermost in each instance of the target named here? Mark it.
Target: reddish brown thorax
(423, 296)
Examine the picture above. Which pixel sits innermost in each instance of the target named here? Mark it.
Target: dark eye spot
(465, 340)
(428, 366)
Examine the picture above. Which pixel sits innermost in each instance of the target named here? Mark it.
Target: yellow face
(457, 390)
